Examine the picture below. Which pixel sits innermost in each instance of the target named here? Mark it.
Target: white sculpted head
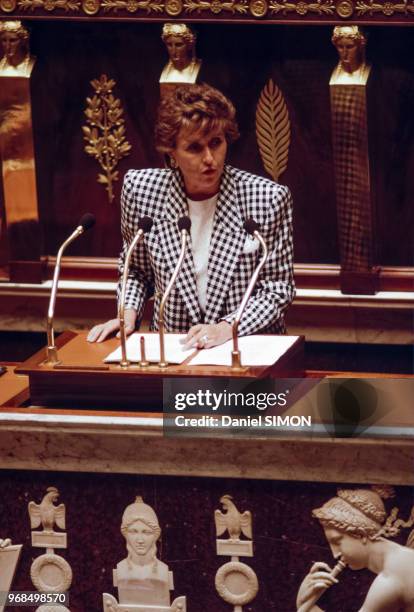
(350, 521)
(141, 530)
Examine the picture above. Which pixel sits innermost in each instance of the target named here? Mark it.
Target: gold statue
(350, 43)
(357, 529)
(183, 66)
(21, 215)
(14, 40)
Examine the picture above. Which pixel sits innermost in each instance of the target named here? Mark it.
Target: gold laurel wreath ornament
(273, 130)
(105, 132)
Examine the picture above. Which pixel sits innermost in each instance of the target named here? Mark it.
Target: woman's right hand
(100, 332)
(313, 585)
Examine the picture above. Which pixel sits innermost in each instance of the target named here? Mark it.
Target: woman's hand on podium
(100, 332)
(207, 335)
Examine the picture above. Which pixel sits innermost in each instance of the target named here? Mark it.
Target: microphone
(144, 226)
(184, 225)
(251, 227)
(86, 222)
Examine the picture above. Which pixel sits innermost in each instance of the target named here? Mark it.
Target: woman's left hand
(206, 336)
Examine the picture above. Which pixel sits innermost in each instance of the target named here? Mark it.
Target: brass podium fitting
(236, 360)
(87, 221)
(52, 358)
(124, 363)
(144, 225)
(184, 225)
(144, 363)
(252, 228)
(163, 363)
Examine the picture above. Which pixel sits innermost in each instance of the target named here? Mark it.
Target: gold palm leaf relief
(273, 130)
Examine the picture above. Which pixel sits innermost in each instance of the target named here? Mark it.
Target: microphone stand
(144, 225)
(184, 225)
(86, 222)
(235, 354)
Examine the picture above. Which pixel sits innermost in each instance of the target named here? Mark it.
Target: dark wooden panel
(239, 60)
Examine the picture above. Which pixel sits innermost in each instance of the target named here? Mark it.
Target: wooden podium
(83, 378)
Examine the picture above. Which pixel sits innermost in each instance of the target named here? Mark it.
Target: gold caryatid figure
(357, 529)
(14, 41)
(350, 42)
(183, 66)
(20, 232)
(355, 203)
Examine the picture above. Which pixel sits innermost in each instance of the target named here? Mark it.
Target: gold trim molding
(387, 8)
(49, 5)
(132, 6)
(259, 9)
(216, 6)
(302, 8)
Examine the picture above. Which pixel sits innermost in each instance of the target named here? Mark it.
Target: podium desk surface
(77, 440)
(82, 378)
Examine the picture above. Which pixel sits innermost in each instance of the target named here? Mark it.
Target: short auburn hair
(199, 106)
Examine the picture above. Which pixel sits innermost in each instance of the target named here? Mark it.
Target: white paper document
(174, 352)
(257, 350)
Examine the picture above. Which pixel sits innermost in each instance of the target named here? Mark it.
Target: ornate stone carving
(235, 582)
(46, 566)
(50, 573)
(9, 558)
(357, 528)
(143, 581)
(232, 520)
(46, 513)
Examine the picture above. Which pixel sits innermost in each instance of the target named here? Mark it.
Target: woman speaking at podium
(196, 123)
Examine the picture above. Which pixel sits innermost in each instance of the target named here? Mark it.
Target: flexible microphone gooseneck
(86, 222)
(252, 228)
(184, 225)
(144, 226)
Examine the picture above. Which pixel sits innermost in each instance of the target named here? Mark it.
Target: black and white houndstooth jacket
(159, 193)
